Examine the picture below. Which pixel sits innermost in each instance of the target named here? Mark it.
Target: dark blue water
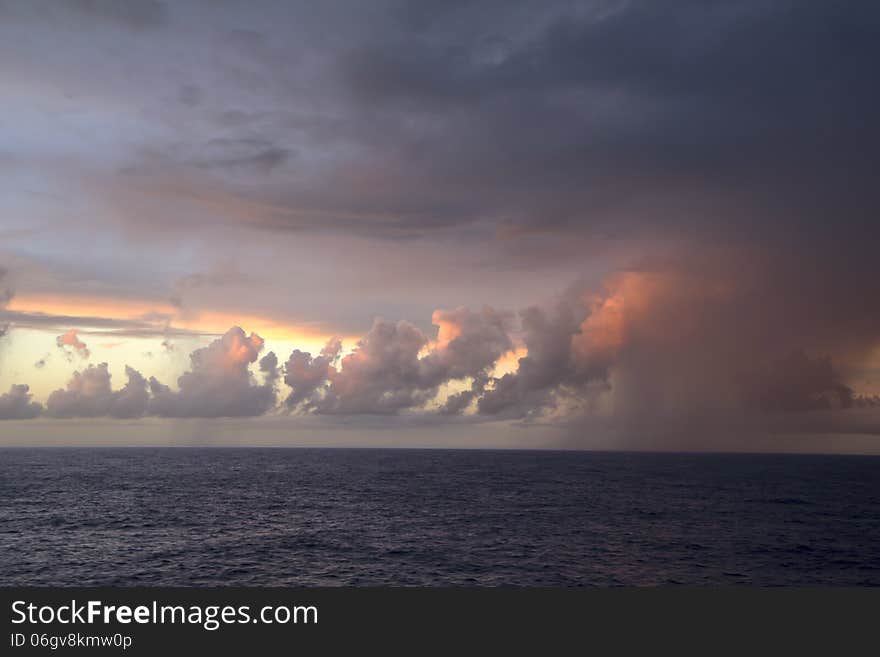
(410, 517)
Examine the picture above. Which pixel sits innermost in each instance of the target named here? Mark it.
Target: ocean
(365, 517)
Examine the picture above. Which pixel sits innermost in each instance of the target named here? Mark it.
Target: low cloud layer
(664, 351)
(218, 384)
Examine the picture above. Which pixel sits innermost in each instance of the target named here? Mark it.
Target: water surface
(278, 517)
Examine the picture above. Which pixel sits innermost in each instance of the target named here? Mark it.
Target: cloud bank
(676, 346)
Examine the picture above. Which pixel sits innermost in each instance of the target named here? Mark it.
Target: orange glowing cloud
(80, 306)
(447, 330)
(164, 314)
(643, 305)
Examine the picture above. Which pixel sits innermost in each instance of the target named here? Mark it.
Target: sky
(616, 224)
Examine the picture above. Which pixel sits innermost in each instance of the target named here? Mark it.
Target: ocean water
(304, 517)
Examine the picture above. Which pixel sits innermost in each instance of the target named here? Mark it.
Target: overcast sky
(612, 224)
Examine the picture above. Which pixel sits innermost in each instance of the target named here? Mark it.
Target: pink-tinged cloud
(672, 344)
(395, 367)
(70, 343)
(219, 383)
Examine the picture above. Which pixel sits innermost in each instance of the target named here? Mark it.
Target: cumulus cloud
(70, 344)
(459, 402)
(17, 404)
(308, 377)
(269, 368)
(89, 394)
(395, 366)
(219, 383)
(468, 343)
(547, 368)
(382, 375)
(682, 340)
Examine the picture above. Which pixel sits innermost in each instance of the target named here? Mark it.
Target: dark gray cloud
(576, 118)
(698, 121)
